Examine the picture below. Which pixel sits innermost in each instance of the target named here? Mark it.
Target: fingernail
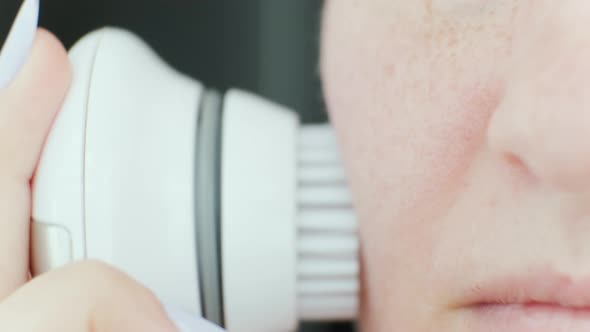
(19, 41)
(188, 323)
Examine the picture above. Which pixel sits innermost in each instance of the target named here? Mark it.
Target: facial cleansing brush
(223, 204)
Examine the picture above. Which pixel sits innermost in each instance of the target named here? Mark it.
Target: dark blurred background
(265, 46)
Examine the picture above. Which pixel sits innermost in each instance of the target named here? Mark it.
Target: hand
(89, 296)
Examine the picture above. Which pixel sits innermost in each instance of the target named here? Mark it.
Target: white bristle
(322, 244)
(335, 220)
(314, 157)
(322, 196)
(322, 269)
(327, 244)
(321, 174)
(315, 136)
(321, 287)
(335, 307)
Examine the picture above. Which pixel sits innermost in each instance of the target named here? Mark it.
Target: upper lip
(541, 286)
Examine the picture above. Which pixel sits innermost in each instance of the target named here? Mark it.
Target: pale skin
(464, 126)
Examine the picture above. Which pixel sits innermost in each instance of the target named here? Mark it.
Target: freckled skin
(463, 125)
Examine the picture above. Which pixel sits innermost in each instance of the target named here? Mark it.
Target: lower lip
(529, 318)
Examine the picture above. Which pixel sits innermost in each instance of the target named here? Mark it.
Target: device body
(206, 199)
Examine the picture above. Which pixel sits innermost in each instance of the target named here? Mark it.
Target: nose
(543, 119)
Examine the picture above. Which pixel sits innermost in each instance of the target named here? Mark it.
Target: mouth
(540, 301)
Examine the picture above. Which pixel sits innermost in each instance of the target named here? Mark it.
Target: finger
(86, 297)
(27, 109)
(29, 105)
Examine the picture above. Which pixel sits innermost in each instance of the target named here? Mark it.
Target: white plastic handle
(188, 323)
(19, 42)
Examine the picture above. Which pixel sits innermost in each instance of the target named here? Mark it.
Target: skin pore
(463, 125)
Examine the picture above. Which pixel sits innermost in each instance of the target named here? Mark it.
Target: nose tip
(552, 143)
(543, 118)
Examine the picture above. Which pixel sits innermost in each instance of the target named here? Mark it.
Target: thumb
(29, 105)
(27, 109)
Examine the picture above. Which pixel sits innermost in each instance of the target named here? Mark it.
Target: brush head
(18, 41)
(327, 235)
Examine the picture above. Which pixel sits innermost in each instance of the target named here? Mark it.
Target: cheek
(411, 120)
(407, 160)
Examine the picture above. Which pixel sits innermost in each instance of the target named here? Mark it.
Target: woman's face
(465, 127)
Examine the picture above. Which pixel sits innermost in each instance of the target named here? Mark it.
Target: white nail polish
(18, 44)
(189, 323)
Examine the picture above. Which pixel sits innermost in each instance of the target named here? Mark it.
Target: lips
(540, 300)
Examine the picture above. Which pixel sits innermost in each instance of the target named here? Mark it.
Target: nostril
(518, 166)
(514, 161)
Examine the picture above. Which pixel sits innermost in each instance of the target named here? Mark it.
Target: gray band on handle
(208, 205)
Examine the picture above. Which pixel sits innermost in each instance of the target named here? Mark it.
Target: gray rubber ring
(207, 206)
